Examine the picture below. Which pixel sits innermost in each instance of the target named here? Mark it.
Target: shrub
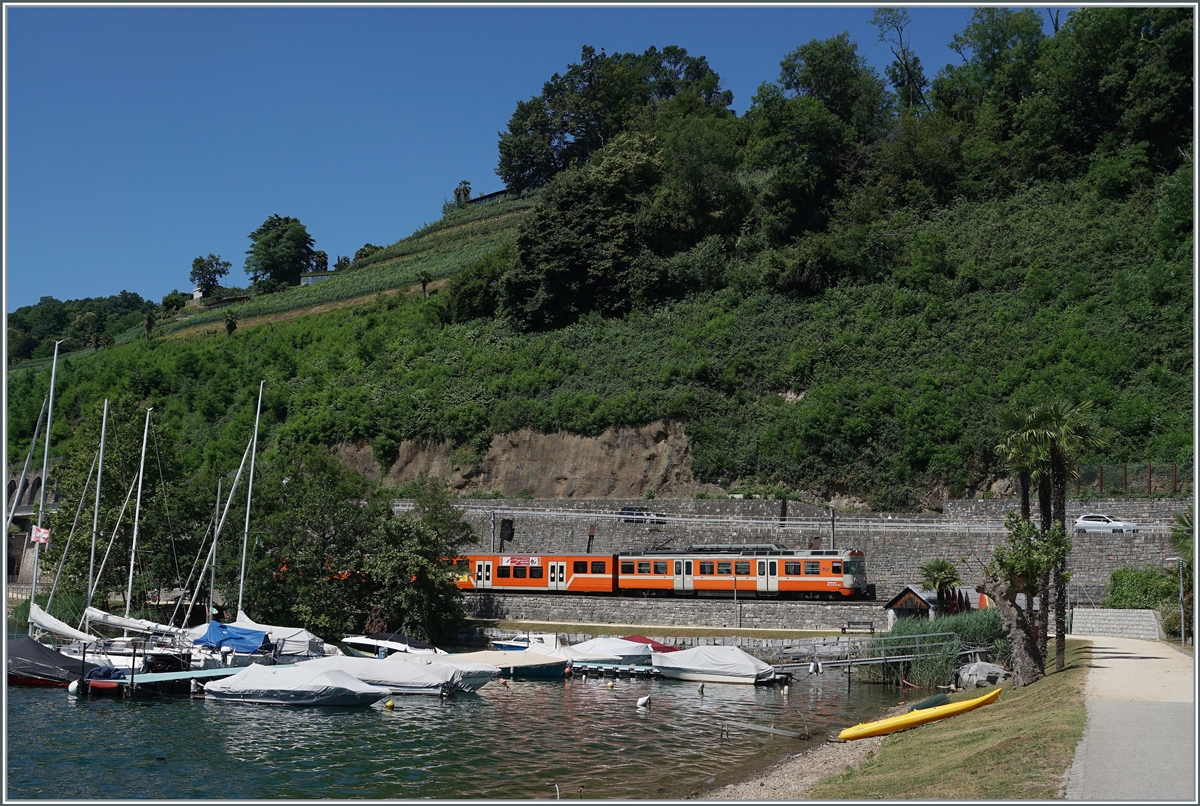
(1145, 588)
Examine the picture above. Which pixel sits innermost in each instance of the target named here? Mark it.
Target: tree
(231, 322)
(365, 251)
(462, 193)
(1064, 430)
(174, 302)
(424, 278)
(148, 321)
(320, 261)
(282, 251)
(342, 263)
(941, 576)
(207, 273)
(833, 72)
(905, 74)
(1013, 571)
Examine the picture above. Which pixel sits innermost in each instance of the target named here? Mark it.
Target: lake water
(498, 743)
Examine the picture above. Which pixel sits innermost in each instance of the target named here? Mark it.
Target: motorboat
(625, 651)
(530, 640)
(382, 644)
(298, 684)
(399, 678)
(475, 675)
(216, 645)
(526, 663)
(713, 664)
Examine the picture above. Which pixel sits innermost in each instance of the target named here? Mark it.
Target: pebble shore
(792, 778)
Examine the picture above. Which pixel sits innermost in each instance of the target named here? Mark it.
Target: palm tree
(941, 576)
(1020, 452)
(424, 278)
(1065, 431)
(1183, 541)
(231, 323)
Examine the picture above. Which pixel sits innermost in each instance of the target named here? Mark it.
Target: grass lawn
(1018, 748)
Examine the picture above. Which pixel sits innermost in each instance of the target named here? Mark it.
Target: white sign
(40, 535)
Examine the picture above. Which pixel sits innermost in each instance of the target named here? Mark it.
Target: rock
(980, 675)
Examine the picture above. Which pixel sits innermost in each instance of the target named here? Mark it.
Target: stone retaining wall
(1136, 510)
(894, 550)
(670, 612)
(1141, 624)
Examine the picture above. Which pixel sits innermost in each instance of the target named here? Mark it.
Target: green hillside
(839, 291)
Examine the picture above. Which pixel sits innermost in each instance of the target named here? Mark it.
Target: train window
(812, 568)
(660, 566)
(724, 568)
(626, 566)
(479, 571)
(503, 572)
(687, 567)
(598, 566)
(535, 572)
(762, 568)
(774, 568)
(837, 568)
(706, 566)
(579, 567)
(643, 566)
(742, 567)
(519, 572)
(857, 567)
(678, 568)
(791, 569)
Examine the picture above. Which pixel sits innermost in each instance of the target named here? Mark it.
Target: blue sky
(139, 138)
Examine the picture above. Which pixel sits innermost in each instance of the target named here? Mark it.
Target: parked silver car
(1103, 523)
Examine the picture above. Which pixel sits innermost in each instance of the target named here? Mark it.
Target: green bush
(974, 628)
(1170, 622)
(1140, 589)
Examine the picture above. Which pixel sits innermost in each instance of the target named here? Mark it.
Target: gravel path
(792, 778)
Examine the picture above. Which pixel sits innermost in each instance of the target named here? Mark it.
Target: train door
(768, 576)
(683, 575)
(483, 574)
(558, 576)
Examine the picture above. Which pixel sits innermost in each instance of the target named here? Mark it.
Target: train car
(763, 570)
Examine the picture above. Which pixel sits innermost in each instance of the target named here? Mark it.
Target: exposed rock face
(620, 463)
(980, 675)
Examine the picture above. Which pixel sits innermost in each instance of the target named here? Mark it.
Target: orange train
(755, 571)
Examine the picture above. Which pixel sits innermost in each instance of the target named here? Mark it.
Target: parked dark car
(640, 515)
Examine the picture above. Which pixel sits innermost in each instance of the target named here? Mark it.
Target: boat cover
(468, 668)
(34, 660)
(727, 661)
(301, 684)
(290, 640)
(628, 651)
(399, 678)
(239, 639)
(526, 659)
(657, 646)
(40, 618)
(572, 654)
(139, 624)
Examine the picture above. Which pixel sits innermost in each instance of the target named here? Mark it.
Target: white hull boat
(474, 675)
(397, 678)
(713, 664)
(301, 684)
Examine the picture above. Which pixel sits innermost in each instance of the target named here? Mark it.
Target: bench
(859, 625)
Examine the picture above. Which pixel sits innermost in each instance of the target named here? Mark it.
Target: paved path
(1140, 739)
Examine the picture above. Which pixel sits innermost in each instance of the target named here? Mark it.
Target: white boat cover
(628, 651)
(474, 674)
(290, 640)
(524, 659)
(399, 678)
(727, 663)
(40, 618)
(138, 624)
(575, 656)
(301, 684)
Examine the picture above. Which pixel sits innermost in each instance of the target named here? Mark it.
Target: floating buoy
(785, 691)
(610, 684)
(389, 705)
(73, 688)
(700, 689)
(644, 702)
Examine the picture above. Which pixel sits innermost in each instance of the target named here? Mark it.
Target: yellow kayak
(914, 718)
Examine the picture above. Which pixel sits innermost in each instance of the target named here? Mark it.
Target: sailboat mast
(96, 510)
(212, 585)
(137, 511)
(37, 429)
(249, 493)
(45, 471)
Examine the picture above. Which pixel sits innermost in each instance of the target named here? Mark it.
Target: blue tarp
(239, 639)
